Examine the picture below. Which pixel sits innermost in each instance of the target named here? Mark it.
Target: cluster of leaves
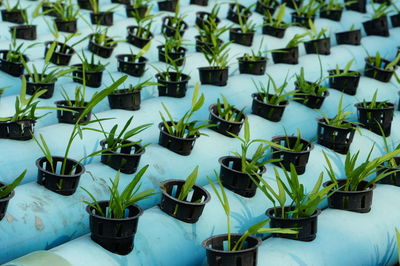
(7, 189)
(296, 40)
(374, 104)
(228, 112)
(314, 33)
(184, 127)
(91, 65)
(309, 88)
(101, 38)
(380, 11)
(308, 9)
(66, 10)
(298, 144)
(143, 29)
(276, 19)
(340, 119)
(379, 63)
(275, 96)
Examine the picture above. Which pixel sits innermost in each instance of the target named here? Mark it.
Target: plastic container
(176, 56)
(61, 55)
(355, 201)
(63, 184)
(126, 160)
(234, 179)
(207, 47)
(32, 87)
(320, 46)
(357, 5)
(188, 210)
(24, 32)
(202, 17)
(93, 79)
(174, 87)
(168, 28)
(66, 117)
(256, 67)
(237, 36)
(298, 158)
(302, 20)
(18, 130)
(138, 41)
(66, 26)
(102, 51)
(347, 84)
(268, 111)
(182, 146)
(124, 99)
(352, 37)
(199, 2)
(167, 5)
(286, 56)
(273, 31)
(125, 65)
(334, 15)
(223, 126)
(4, 202)
(131, 11)
(15, 69)
(16, 16)
(378, 27)
(376, 118)
(337, 139)
(213, 76)
(115, 235)
(393, 178)
(233, 13)
(102, 18)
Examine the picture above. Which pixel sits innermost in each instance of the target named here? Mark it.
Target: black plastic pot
(233, 13)
(124, 2)
(290, 3)
(378, 73)
(376, 118)
(347, 84)
(393, 178)
(18, 130)
(302, 20)
(234, 179)
(223, 126)
(16, 16)
(86, 4)
(135, 40)
(188, 210)
(124, 99)
(355, 201)
(115, 235)
(309, 100)
(273, 31)
(352, 37)
(169, 29)
(61, 55)
(237, 36)
(268, 111)
(357, 5)
(182, 146)
(395, 19)
(126, 160)
(204, 46)
(15, 69)
(32, 87)
(66, 26)
(174, 87)
(93, 79)
(70, 117)
(262, 8)
(173, 56)
(337, 139)
(286, 56)
(99, 50)
(306, 226)
(213, 76)
(102, 18)
(334, 15)
(125, 65)
(167, 5)
(218, 256)
(24, 32)
(65, 184)
(140, 10)
(199, 2)
(4, 202)
(320, 46)
(298, 159)
(202, 19)
(252, 67)
(378, 26)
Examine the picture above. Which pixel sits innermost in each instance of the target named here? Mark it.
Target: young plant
(302, 204)
(143, 29)
(15, 7)
(333, 5)
(340, 119)
(15, 52)
(228, 112)
(296, 40)
(314, 33)
(276, 20)
(211, 33)
(257, 228)
(119, 202)
(217, 57)
(91, 66)
(101, 38)
(374, 104)
(308, 9)
(380, 11)
(297, 146)
(116, 141)
(7, 189)
(345, 71)
(96, 8)
(66, 11)
(275, 96)
(310, 88)
(356, 174)
(379, 63)
(245, 25)
(184, 127)
(78, 129)
(79, 99)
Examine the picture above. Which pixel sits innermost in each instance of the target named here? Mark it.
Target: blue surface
(39, 219)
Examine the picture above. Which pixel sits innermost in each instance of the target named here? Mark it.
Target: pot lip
(322, 121)
(103, 145)
(270, 211)
(121, 56)
(5, 51)
(59, 175)
(372, 187)
(375, 19)
(60, 43)
(285, 49)
(89, 208)
(101, 13)
(185, 25)
(124, 92)
(199, 13)
(357, 75)
(64, 21)
(211, 110)
(44, 83)
(332, 10)
(185, 80)
(80, 69)
(237, 31)
(206, 200)
(204, 242)
(9, 196)
(62, 104)
(262, 168)
(33, 121)
(161, 125)
(294, 14)
(379, 68)
(232, 6)
(347, 31)
(23, 26)
(318, 40)
(211, 68)
(197, 38)
(282, 104)
(311, 144)
(358, 106)
(263, 59)
(136, 27)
